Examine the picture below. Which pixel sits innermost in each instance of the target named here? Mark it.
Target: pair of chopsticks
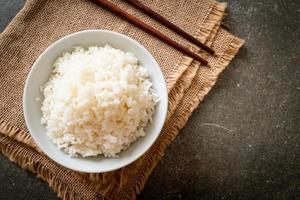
(134, 20)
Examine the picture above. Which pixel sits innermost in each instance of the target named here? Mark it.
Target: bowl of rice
(95, 101)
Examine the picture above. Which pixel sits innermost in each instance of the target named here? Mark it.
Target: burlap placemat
(41, 22)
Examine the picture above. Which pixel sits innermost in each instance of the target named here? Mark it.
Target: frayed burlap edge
(177, 71)
(66, 188)
(16, 134)
(182, 84)
(212, 20)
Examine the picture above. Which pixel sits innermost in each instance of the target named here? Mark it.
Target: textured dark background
(243, 141)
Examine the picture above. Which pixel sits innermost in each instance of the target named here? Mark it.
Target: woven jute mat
(42, 22)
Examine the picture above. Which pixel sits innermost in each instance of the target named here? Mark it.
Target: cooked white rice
(97, 101)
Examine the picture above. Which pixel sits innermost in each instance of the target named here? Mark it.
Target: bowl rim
(130, 159)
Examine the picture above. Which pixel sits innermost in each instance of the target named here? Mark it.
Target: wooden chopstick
(118, 11)
(168, 24)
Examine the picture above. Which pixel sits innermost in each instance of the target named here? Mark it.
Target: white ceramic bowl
(40, 73)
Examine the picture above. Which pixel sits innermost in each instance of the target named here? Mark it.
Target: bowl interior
(40, 73)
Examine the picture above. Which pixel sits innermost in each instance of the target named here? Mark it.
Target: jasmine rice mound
(97, 101)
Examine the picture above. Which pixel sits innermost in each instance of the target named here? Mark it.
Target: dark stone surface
(243, 142)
